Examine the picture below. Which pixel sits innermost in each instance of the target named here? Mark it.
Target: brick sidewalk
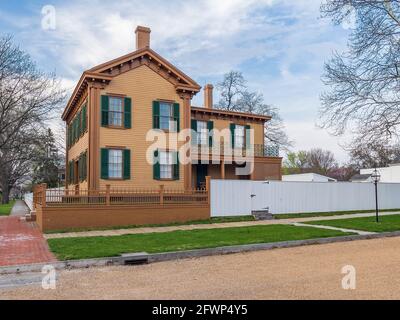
(21, 242)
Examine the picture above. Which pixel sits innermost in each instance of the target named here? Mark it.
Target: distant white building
(307, 177)
(389, 174)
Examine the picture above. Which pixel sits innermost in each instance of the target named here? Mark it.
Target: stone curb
(166, 256)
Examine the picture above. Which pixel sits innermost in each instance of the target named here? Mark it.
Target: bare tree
(321, 161)
(28, 98)
(315, 160)
(364, 82)
(373, 153)
(16, 160)
(231, 88)
(236, 96)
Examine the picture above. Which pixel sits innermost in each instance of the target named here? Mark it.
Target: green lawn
(95, 247)
(207, 221)
(386, 223)
(325, 214)
(5, 209)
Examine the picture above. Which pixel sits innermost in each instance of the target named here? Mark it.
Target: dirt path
(312, 272)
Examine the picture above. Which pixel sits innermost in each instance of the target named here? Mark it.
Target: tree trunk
(6, 196)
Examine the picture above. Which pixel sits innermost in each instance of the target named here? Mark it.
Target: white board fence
(238, 197)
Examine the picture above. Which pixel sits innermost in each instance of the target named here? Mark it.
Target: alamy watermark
(49, 17)
(349, 280)
(50, 277)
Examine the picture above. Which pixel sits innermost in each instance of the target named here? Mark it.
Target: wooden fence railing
(119, 196)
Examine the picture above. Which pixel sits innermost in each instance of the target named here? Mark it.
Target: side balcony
(223, 150)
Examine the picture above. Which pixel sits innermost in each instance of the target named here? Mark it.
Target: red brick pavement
(21, 242)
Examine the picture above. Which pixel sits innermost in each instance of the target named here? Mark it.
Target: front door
(201, 173)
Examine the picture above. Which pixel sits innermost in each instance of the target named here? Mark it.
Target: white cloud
(206, 39)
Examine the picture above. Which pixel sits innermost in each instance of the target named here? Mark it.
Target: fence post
(44, 187)
(108, 187)
(161, 194)
(34, 196)
(208, 180)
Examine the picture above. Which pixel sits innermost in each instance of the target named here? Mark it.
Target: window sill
(116, 127)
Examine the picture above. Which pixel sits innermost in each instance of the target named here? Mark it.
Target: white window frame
(115, 168)
(202, 133)
(170, 117)
(166, 165)
(115, 116)
(240, 136)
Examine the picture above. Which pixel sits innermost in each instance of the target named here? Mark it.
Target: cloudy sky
(279, 45)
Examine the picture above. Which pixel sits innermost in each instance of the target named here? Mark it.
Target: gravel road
(311, 272)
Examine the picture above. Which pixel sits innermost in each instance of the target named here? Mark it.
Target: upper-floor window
(167, 121)
(239, 136)
(115, 162)
(115, 111)
(202, 133)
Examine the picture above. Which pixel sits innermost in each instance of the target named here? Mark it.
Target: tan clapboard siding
(80, 146)
(258, 128)
(143, 86)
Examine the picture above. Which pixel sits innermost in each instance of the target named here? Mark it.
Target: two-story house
(116, 104)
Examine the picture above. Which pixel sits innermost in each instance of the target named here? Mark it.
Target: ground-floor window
(166, 164)
(115, 163)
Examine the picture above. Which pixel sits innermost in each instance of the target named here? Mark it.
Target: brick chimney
(208, 96)
(142, 37)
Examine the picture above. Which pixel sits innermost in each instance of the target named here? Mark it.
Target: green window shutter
(73, 131)
(176, 116)
(176, 166)
(127, 113)
(79, 119)
(76, 129)
(104, 111)
(156, 115)
(156, 166)
(104, 163)
(210, 127)
(80, 165)
(68, 137)
(247, 133)
(194, 131)
(85, 165)
(71, 172)
(127, 164)
(84, 118)
(232, 127)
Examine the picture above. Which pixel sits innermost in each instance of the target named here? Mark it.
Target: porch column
(187, 168)
(94, 136)
(222, 169)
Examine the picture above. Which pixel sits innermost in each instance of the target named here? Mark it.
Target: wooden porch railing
(111, 196)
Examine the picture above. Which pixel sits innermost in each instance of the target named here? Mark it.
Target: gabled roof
(105, 72)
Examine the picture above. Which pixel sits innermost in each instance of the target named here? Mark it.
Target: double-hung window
(239, 136)
(166, 165)
(167, 121)
(202, 133)
(115, 163)
(115, 111)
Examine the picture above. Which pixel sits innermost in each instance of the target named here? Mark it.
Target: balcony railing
(255, 150)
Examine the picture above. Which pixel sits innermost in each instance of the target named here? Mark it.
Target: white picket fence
(238, 197)
(28, 198)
